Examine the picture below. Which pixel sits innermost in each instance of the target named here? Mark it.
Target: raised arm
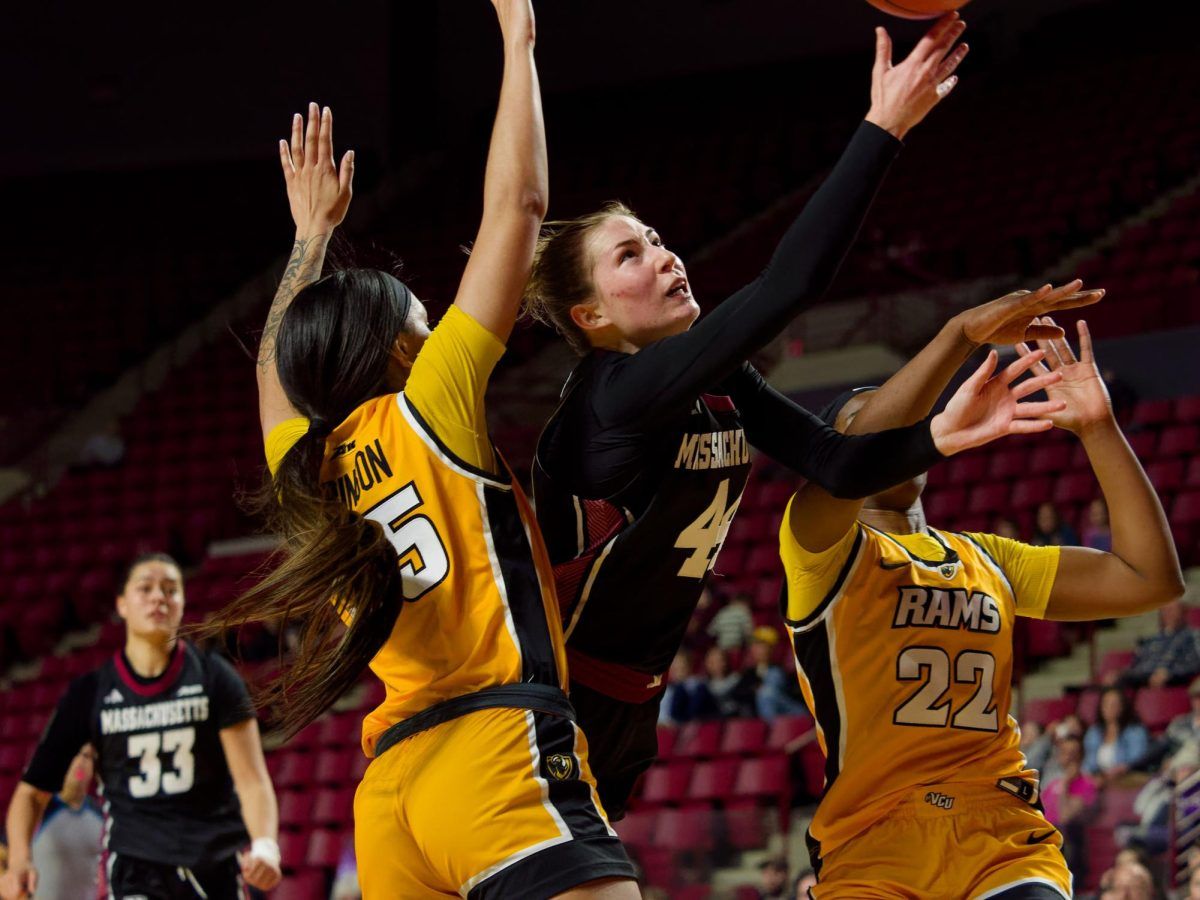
(909, 395)
(1142, 571)
(987, 406)
(846, 466)
(807, 258)
(319, 195)
(515, 186)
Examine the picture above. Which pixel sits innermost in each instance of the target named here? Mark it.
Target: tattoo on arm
(303, 268)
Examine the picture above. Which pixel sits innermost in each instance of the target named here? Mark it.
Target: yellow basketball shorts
(496, 803)
(950, 842)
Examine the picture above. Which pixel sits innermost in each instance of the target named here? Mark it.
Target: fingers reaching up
(318, 193)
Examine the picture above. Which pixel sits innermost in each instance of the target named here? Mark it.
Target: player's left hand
(987, 406)
(1014, 317)
(260, 873)
(318, 191)
(1081, 390)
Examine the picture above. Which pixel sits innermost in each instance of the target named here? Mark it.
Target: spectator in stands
(805, 880)
(1183, 729)
(1194, 885)
(1050, 530)
(1043, 748)
(696, 637)
(687, 696)
(1036, 743)
(1170, 657)
(66, 848)
(1068, 800)
(1117, 741)
(732, 624)
(722, 683)
(1096, 533)
(774, 879)
(1005, 527)
(763, 688)
(1128, 881)
(1153, 803)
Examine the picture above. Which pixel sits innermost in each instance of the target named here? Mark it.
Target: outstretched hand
(1080, 390)
(1015, 317)
(903, 94)
(318, 193)
(987, 406)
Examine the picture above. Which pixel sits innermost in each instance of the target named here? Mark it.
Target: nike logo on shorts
(1035, 838)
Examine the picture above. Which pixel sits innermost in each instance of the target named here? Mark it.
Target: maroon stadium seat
(1186, 509)
(1045, 710)
(1075, 487)
(1156, 707)
(785, 729)
(1179, 440)
(988, 498)
(334, 806)
(699, 739)
(1166, 474)
(666, 741)
(1187, 409)
(745, 825)
(636, 829)
(666, 783)
(307, 885)
(1054, 458)
(1152, 412)
(324, 847)
(1030, 492)
(744, 737)
(713, 779)
(295, 809)
(684, 829)
(1114, 661)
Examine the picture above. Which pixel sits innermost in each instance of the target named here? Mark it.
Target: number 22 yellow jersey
(904, 651)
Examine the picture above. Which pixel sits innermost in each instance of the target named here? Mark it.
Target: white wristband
(266, 849)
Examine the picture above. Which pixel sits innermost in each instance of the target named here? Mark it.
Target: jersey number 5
(705, 536)
(423, 560)
(929, 707)
(145, 748)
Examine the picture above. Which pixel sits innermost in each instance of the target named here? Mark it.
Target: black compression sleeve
(661, 376)
(849, 467)
(68, 731)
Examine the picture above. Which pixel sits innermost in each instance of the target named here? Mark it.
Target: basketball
(918, 9)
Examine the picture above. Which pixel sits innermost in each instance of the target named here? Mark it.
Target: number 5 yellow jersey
(479, 607)
(904, 650)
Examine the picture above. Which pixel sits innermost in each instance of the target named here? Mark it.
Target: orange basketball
(918, 9)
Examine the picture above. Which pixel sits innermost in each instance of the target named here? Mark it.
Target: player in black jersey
(639, 472)
(178, 755)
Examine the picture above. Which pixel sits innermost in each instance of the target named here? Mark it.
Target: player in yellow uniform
(903, 638)
(412, 549)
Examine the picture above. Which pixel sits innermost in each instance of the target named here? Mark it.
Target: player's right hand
(902, 95)
(19, 882)
(318, 193)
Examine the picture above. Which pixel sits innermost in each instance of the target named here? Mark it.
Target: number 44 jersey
(166, 786)
(904, 650)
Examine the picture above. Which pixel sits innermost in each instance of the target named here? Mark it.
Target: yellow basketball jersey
(479, 605)
(906, 664)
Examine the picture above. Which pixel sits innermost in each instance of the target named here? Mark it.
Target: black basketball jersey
(164, 780)
(630, 567)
